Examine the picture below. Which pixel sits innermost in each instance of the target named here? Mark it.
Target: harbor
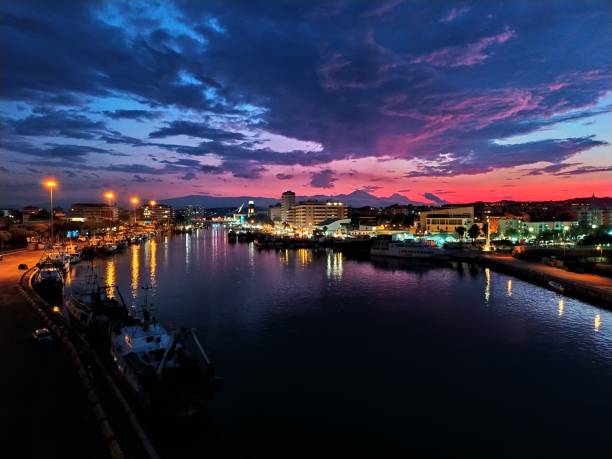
(225, 306)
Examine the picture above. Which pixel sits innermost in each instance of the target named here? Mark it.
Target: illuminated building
(157, 212)
(446, 219)
(287, 202)
(307, 214)
(334, 226)
(275, 212)
(93, 212)
(251, 209)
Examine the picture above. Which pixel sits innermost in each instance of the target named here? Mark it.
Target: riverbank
(593, 288)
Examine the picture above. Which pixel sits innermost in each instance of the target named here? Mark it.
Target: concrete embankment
(593, 288)
(59, 401)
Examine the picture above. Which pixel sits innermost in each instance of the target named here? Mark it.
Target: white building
(334, 226)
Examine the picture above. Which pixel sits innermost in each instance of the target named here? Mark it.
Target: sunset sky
(463, 100)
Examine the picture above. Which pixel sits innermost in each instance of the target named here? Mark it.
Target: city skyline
(449, 101)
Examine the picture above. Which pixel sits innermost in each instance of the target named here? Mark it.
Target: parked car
(42, 335)
(23, 267)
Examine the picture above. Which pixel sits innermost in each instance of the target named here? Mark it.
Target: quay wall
(596, 289)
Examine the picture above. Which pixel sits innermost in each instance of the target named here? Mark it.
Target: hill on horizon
(358, 198)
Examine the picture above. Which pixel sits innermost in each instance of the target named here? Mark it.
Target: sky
(458, 101)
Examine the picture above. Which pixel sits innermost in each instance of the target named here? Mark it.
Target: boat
(48, 280)
(92, 306)
(231, 236)
(108, 248)
(167, 370)
(556, 286)
(413, 249)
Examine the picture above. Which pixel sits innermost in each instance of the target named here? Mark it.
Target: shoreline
(597, 290)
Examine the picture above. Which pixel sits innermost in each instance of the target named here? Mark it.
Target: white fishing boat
(414, 250)
(166, 369)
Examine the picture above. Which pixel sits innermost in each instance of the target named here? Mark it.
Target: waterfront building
(446, 219)
(516, 228)
(593, 217)
(163, 213)
(28, 212)
(307, 214)
(287, 202)
(93, 212)
(251, 209)
(275, 212)
(334, 226)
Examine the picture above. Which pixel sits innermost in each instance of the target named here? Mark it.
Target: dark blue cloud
(281, 176)
(435, 199)
(323, 179)
(138, 115)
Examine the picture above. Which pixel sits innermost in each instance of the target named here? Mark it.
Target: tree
(460, 230)
(474, 231)
(4, 237)
(512, 233)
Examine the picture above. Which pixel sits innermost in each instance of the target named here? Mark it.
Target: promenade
(589, 286)
(45, 412)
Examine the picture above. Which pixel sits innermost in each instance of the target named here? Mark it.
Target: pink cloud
(556, 86)
(454, 13)
(471, 54)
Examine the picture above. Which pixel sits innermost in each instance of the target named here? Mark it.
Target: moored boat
(48, 280)
(167, 370)
(415, 250)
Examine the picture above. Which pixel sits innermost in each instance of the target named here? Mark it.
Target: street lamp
(50, 184)
(110, 195)
(134, 201)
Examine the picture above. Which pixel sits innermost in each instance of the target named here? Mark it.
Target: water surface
(323, 355)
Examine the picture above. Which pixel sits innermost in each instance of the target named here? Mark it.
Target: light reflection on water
(135, 271)
(398, 337)
(218, 268)
(110, 277)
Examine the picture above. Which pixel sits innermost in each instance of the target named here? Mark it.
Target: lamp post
(134, 201)
(110, 195)
(152, 203)
(50, 184)
(487, 246)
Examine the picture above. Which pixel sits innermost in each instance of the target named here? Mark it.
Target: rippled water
(323, 355)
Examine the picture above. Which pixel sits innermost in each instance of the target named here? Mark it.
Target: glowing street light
(134, 201)
(110, 195)
(50, 184)
(152, 203)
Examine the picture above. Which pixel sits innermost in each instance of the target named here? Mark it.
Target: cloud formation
(257, 91)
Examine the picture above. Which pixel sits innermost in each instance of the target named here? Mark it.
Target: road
(44, 411)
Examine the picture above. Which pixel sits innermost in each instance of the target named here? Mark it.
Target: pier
(597, 289)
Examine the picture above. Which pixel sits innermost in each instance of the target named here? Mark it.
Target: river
(323, 355)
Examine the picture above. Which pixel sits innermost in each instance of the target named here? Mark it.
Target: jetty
(591, 287)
